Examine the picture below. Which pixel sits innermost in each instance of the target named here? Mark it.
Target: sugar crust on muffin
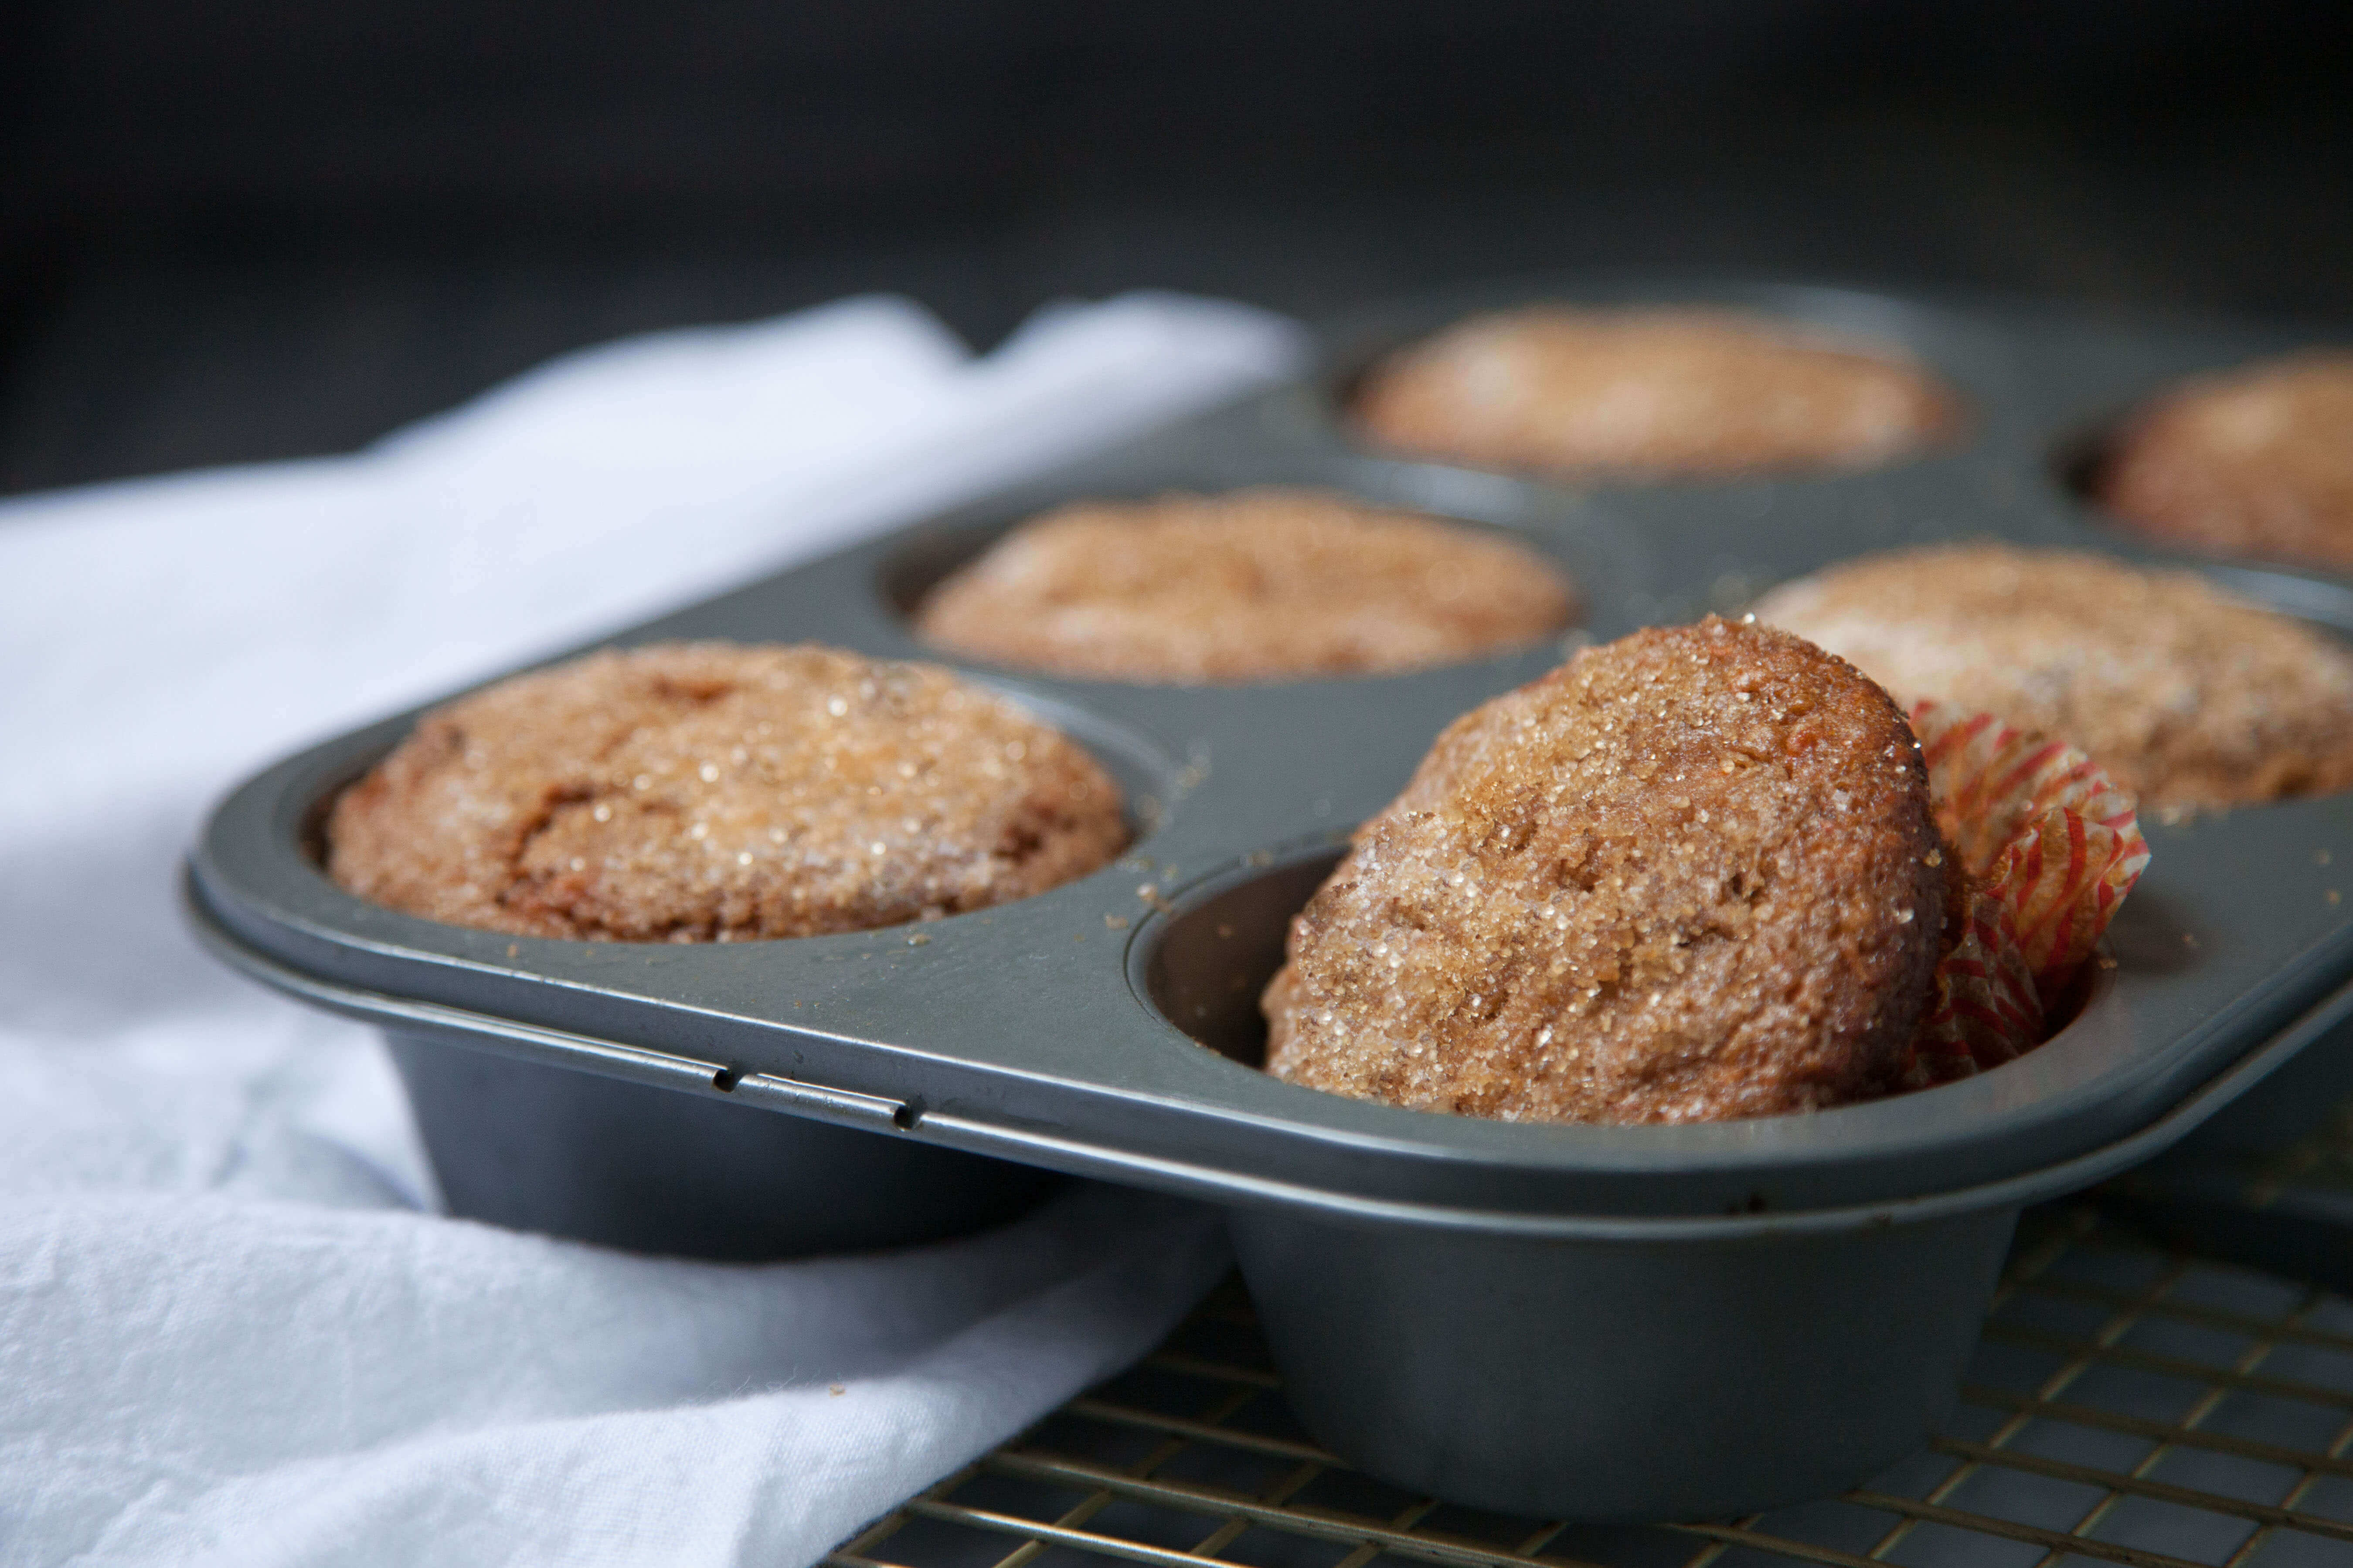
(2256, 462)
(1258, 584)
(2187, 696)
(1691, 875)
(693, 792)
(1651, 394)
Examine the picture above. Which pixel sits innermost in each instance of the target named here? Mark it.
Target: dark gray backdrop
(239, 229)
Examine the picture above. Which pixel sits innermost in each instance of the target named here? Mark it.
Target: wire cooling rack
(2128, 1403)
(2291, 1212)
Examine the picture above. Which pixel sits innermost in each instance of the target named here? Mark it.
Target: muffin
(2187, 696)
(2258, 461)
(707, 792)
(1261, 585)
(1691, 875)
(1649, 394)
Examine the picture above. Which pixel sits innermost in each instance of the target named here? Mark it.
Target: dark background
(237, 229)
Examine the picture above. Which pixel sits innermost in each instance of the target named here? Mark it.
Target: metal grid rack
(2127, 1405)
(2291, 1213)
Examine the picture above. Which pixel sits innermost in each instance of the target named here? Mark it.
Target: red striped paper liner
(2051, 847)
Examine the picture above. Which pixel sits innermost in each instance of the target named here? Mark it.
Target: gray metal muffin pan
(1491, 1310)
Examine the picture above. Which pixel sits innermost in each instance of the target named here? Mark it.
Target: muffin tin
(1596, 1322)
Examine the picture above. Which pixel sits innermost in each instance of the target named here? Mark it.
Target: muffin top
(2256, 462)
(696, 791)
(2187, 696)
(1650, 394)
(1260, 584)
(1691, 875)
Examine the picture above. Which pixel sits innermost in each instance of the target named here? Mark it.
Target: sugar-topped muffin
(1259, 585)
(2187, 695)
(1691, 875)
(2257, 461)
(1651, 394)
(698, 792)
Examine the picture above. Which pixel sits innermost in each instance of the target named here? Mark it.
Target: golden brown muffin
(2187, 696)
(1257, 586)
(1691, 875)
(696, 791)
(1650, 394)
(2257, 462)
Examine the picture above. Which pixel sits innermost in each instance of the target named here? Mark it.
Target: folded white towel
(230, 1329)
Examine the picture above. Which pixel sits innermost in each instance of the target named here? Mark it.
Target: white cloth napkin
(231, 1329)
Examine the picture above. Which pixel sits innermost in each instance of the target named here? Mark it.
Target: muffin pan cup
(1659, 1369)
(1488, 1309)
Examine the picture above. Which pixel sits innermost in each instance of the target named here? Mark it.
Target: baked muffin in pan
(2257, 461)
(1254, 585)
(713, 792)
(2187, 696)
(1651, 394)
(1691, 875)
(1704, 873)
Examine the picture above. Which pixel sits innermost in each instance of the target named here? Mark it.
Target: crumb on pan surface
(1253, 586)
(1691, 875)
(692, 792)
(2187, 696)
(2257, 461)
(1650, 392)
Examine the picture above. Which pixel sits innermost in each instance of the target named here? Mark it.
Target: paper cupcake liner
(2050, 846)
(1988, 1009)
